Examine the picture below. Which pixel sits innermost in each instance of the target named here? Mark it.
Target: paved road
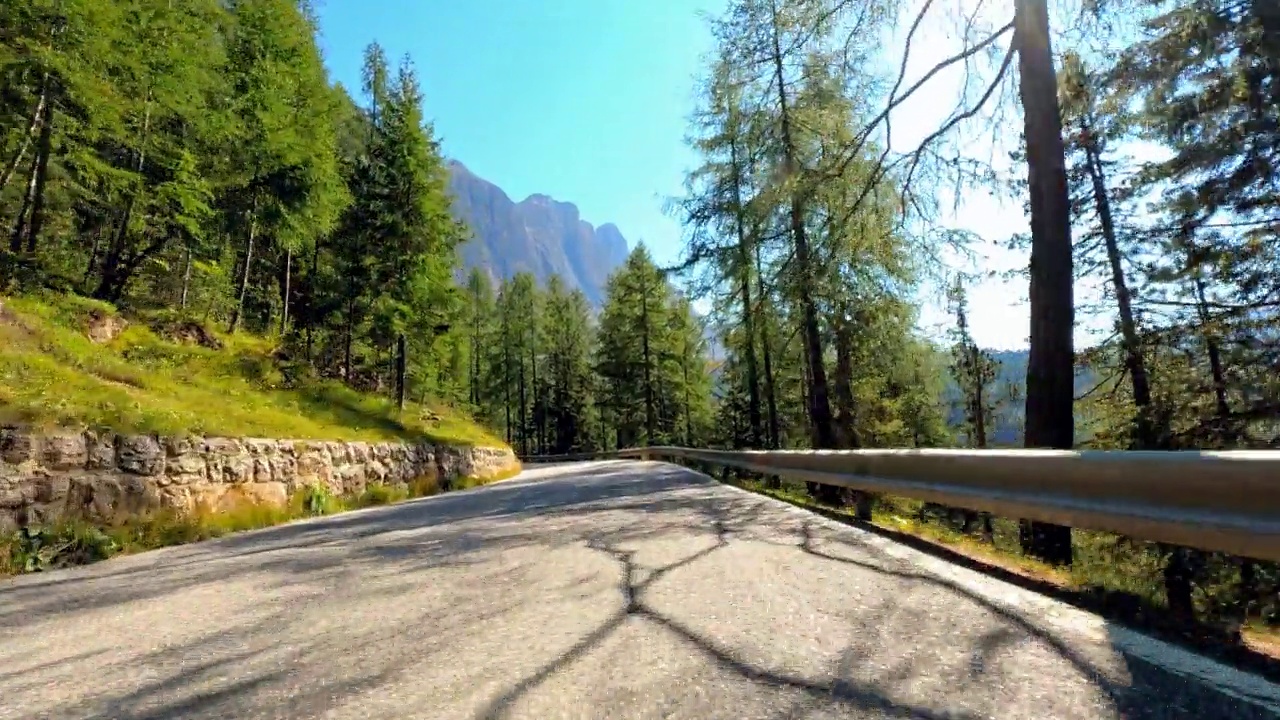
(597, 590)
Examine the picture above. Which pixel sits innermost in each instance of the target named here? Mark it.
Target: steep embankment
(72, 363)
(124, 434)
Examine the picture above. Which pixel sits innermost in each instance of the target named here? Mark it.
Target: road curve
(594, 590)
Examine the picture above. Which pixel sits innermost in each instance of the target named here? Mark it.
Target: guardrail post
(862, 502)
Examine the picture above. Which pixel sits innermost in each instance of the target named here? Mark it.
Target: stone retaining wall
(103, 475)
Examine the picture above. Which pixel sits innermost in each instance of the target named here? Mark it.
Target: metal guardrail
(1223, 501)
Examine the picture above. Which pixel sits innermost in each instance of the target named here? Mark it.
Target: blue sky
(587, 101)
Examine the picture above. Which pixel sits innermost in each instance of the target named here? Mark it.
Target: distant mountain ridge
(539, 235)
(1010, 414)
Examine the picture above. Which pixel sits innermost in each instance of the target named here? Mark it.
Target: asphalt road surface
(594, 590)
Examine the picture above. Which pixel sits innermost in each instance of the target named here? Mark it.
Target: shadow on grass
(326, 400)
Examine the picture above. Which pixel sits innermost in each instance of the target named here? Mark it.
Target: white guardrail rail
(1225, 501)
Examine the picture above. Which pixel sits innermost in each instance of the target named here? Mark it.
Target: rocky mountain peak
(539, 234)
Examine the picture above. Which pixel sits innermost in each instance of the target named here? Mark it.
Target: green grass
(1104, 564)
(146, 381)
(72, 542)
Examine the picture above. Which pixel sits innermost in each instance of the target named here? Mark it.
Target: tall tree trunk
(506, 371)
(244, 275)
(688, 417)
(806, 382)
(1181, 563)
(1249, 586)
(310, 304)
(93, 256)
(845, 419)
(20, 224)
(348, 333)
(524, 406)
(978, 411)
(284, 299)
(270, 319)
(186, 279)
(473, 372)
(1050, 420)
(43, 150)
(475, 348)
(979, 402)
(1145, 427)
(748, 312)
(604, 428)
(402, 363)
(1178, 586)
(37, 117)
(1214, 349)
(819, 402)
(110, 268)
(842, 383)
(649, 420)
(539, 439)
(770, 383)
(111, 281)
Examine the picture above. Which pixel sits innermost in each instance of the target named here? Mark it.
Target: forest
(194, 159)
(1146, 160)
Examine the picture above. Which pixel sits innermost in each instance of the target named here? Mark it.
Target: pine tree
(478, 320)
(568, 396)
(287, 191)
(650, 358)
(1050, 396)
(150, 169)
(721, 224)
(192, 158)
(974, 370)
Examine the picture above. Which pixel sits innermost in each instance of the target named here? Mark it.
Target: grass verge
(75, 542)
(1108, 576)
(70, 362)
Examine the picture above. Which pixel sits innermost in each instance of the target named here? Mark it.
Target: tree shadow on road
(837, 691)
(1120, 609)
(276, 665)
(269, 667)
(162, 572)
(1152, 692)
(1130, 700)
(632, 589)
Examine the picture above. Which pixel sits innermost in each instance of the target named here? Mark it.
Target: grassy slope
(53, 375)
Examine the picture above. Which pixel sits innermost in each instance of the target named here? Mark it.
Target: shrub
(318, 500)
(35, 549)
(380, 494)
